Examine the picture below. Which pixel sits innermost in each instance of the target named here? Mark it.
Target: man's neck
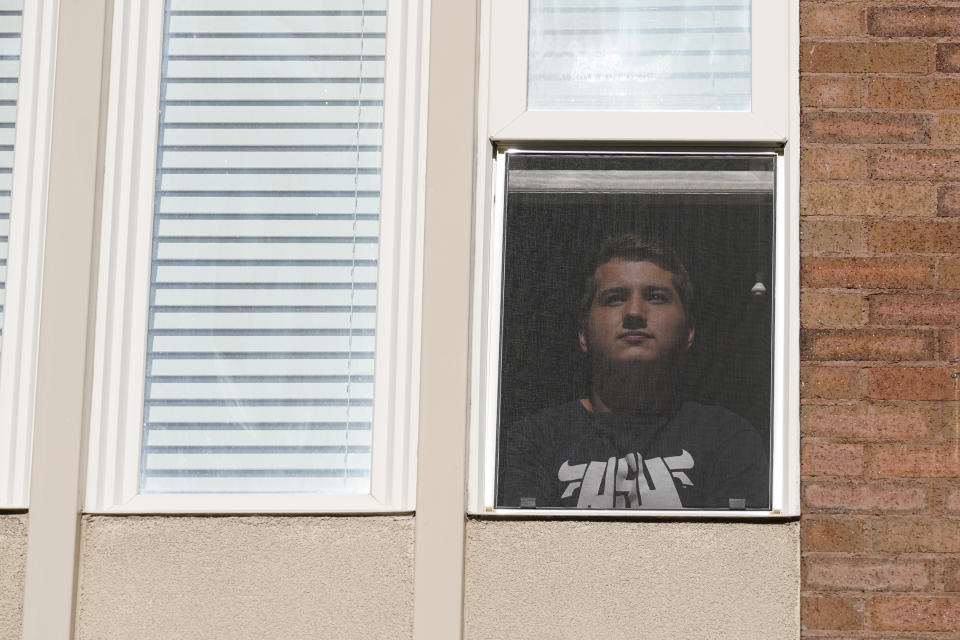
(636, 392)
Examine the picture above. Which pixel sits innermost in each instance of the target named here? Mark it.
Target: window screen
(648, 55)
(11, 19)
(263, 280)
(637, 316)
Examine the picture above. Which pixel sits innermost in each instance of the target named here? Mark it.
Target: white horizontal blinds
(263, 284)
(11, 21)
(648, 55)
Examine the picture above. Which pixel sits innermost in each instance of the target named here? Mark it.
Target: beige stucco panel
(13, 556)
(246, 577)
(651, 580)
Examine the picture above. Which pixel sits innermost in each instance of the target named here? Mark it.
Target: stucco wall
(13, 554)
(565, 579)
(246, 577)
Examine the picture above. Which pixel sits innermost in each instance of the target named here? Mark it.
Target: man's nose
(635, 315)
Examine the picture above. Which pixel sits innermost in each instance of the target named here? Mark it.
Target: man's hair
(636, 248)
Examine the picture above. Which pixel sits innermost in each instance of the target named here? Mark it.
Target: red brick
(929, 164)
(914, 461)
(926, 383)
(825, 163)
(951, 417)
(917, 536)
(870, 497)
(833, 534)
(822, 309)
(951, 575)
(948, 128)
(948, 273)
(869, 421)
(831, 613)
(830, 20)
(866, 344)
(863, 574)
(949, 346)
(948, 57)
(916, 309)
(913, 21)
(863, 57)
(948, 201)
(867, 273)
(830, 91)
(826, 199)
(916, 613)
(911, 236)
(832, 383)
(952, 501)
(870, 128)
(818, 458)
(831, 235)
(913, 93)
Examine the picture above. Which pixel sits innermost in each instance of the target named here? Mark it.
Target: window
(523, 106)
(27, 55)
(636, 302)
(672, 56)
(257, 333)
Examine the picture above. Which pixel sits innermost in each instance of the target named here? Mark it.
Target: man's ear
(690, 333)
(583, 340)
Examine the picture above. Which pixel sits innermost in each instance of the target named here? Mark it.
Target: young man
(632, 442)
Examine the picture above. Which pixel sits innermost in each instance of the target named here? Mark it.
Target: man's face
(636, 315)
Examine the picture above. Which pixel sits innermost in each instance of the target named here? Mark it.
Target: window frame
(766, 122)
(28, 204)
(113, 474)
(504, 125)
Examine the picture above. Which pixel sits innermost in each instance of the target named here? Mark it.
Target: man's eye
(658, 296)
(612, 299)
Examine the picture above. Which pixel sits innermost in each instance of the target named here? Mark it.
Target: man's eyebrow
(659, 288)
(617, 289)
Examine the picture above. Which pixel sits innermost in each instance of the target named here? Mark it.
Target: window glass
(646, 55)
(263, 282)
(11, 19)
(637, 315)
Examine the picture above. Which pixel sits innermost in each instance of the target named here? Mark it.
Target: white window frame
(28, 205)
(504, 123)
(509, 119)
(113, 474)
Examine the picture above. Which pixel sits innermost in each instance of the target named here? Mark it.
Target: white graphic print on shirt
(627, 482)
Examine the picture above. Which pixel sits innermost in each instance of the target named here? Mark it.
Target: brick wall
(880, 310)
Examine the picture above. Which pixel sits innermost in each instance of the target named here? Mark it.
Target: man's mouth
(635, 336)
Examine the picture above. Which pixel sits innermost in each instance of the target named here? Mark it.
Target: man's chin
(642, 360)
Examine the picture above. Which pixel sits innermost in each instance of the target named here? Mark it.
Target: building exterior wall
(13, 550)
(877, 551)
(246, 577)
(164, 576)
(880, 305)
(569, 579)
